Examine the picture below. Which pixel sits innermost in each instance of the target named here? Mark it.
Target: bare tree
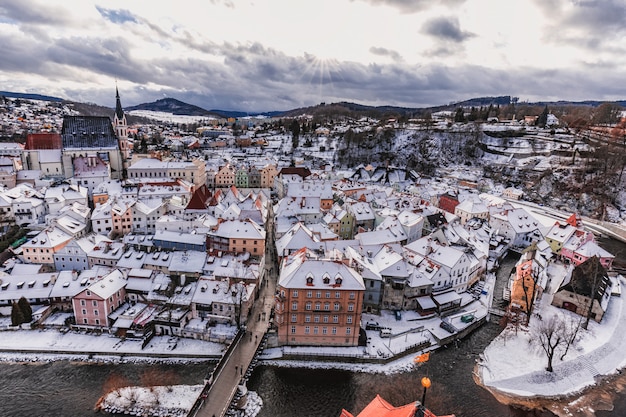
(549, 338)
(571, 327)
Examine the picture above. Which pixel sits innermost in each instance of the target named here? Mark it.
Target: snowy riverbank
(515, 371)
(49, 345)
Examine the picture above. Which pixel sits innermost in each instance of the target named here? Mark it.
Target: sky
(265, 55)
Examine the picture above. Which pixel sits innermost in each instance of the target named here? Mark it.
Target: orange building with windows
(318, 302)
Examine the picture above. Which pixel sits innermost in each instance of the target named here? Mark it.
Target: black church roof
(88, 132)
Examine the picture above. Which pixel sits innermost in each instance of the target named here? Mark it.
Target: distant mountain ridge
(30, 96)
(174, 106)
(177, 107)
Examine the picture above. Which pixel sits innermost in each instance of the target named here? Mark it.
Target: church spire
(119, 112)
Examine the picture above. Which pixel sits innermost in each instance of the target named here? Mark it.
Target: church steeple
(121, 129)
(119, 112)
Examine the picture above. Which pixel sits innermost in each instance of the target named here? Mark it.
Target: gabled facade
(318, 302)
(237, 236)
(93, 305)
(589, 284)
(41, 248)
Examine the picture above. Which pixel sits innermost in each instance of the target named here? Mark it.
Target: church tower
(121, 130)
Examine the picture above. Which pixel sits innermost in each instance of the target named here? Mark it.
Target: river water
(71, 389)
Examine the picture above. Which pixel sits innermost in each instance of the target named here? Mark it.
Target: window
(294, 318)
(293, 329)
(316, 319)
(309, 294)
(335, 319)
(82, 302)
(318, 306)
(325, 319)
(327, 294)
(337, 306)
(352, 295)
(349, 320)
(307, 318)
(307, 330)
(348, 330)
(96, 313)
(84, 312)
(327, 306)
(95, 303)
(307, 305)
(324, 330)
(316, 330)
(334, 330)
(294, 305)
(350, 307)
(337, 294)
(295, 293)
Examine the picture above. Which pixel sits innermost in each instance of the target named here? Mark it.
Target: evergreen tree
(459, 117)
(473, 116)
(26, 309)
(543, 117)
(295, 133)
(17, 317)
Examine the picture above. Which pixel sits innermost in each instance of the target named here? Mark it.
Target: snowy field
(510, 364)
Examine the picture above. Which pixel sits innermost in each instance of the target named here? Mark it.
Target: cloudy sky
(260, 55)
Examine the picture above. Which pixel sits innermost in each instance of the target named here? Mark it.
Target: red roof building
(38, 141)
(381, 408)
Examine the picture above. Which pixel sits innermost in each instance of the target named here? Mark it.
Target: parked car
(385, 332)
(372, 325)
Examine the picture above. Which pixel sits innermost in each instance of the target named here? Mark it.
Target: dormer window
(326, 280)
(309, 279)
(338, 281)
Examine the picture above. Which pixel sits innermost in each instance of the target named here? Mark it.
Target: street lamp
(426, 385)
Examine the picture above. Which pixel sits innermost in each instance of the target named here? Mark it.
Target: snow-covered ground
(171, 400)
(46, 345)
(512, 366)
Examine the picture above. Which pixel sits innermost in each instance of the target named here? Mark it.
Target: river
(71, 389)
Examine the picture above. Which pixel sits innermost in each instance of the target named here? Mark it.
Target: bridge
(236, 364)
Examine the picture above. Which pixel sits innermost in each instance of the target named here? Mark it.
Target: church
(92, 144)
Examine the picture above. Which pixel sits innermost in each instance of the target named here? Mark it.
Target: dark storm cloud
(413, 6)
(256, 78)
(386, 52)
(446, 29)
(116, 16)
(27, 13)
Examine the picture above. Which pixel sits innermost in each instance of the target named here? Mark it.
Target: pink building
(93, 305)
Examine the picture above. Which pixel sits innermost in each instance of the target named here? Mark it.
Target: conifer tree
(17, 317)
(26, 310)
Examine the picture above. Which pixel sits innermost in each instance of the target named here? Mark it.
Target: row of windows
(318, 306)
(318, 294)
(316, 319)
(316, 330)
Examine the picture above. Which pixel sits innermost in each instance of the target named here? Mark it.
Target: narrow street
(235, 364)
